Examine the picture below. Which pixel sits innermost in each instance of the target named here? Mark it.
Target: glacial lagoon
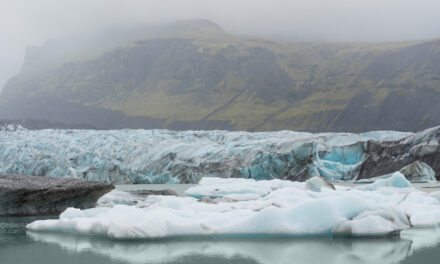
(17, 245)
(20, 246)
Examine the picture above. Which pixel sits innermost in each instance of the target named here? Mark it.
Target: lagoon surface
(19, 246)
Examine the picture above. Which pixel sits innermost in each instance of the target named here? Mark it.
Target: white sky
(31, 22)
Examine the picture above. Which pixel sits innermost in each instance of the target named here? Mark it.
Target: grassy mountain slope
(199, 77)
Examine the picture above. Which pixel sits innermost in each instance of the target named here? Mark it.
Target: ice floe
(242, 208)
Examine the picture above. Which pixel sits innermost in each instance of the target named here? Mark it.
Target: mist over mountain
(32, 23)
(194, 75)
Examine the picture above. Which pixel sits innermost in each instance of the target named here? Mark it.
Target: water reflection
(422, 238)
(263, 251)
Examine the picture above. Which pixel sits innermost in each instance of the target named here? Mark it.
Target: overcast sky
(31, 22)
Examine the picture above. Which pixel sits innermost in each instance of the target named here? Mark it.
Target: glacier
(234, 208)
(164, 156)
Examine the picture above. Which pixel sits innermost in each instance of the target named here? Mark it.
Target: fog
(28, 22)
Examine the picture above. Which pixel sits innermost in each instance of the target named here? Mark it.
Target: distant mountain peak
(197, 28)
(197, 22)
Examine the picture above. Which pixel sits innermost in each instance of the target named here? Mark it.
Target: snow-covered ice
(242, 208)
(163, 156)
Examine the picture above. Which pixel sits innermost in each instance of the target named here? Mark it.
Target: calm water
(18, 246)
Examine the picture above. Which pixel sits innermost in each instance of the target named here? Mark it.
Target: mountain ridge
(205, 78)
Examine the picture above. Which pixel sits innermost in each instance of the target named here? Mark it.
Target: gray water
(18, 246)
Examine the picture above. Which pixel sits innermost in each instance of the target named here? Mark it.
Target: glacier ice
(245, 207)
(396, 180)
(163, 156)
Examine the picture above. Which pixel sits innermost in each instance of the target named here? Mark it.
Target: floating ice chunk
(428, 218)
(367, 225)
(375, 223)
(218, 187)
(418, 172)
(246, 208)
(316, 183)
(396, 180)
(435, 195)
(135, 197)
(422, 209)
(191, 218)
(117, 197)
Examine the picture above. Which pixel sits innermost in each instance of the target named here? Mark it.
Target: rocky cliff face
(199, 77)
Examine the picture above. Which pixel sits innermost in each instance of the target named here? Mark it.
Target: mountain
(194, 75)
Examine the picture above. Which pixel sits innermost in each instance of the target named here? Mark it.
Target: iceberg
(396, 180)
(130, 198)
(234, 208)
(317, 183)
(163, 156)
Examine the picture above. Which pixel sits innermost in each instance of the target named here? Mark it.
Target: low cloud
(24, 22)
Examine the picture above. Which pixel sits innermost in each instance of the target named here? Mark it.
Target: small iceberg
(248, 208)
(395, 180)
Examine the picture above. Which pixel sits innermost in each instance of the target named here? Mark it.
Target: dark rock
(389, 156)
(208, 200)
(33, 195)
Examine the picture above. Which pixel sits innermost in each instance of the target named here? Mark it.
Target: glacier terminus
(164, 156)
